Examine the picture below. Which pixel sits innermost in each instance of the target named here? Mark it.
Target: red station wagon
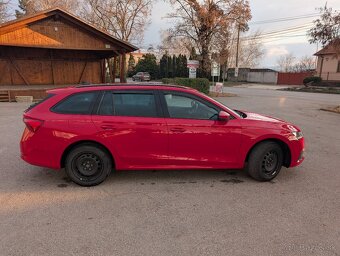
(92, 130)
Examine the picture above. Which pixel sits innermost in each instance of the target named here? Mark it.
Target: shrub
(313, 79)
(200, 84)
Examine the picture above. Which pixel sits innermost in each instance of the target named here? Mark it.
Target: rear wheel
(88, 165)
(265, 161)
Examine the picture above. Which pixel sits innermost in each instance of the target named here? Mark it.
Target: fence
(292, 78)
(264, 77)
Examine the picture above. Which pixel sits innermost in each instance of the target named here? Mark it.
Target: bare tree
(173, 45)
(203, 21)
(306, 63)
(286, 63)
(326, 29)
(33, 6)
(250, 51)
(3, 11)
(124, 19)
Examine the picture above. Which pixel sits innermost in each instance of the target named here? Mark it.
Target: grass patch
(329, 90)
(332, 109)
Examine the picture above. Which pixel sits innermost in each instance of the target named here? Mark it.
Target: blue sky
(261, 10)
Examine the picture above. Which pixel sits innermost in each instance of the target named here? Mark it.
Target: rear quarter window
(39, 102)
(79, 103)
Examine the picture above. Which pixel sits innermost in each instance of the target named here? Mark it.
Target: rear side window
(39, 102)
(129, 104)
(80, 103)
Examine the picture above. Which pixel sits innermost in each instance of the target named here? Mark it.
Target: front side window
(129, 104)
(180, 106)
(80, 103)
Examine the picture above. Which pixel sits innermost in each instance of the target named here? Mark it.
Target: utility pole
(237, 46)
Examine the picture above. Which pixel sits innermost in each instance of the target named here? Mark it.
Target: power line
(304, 16)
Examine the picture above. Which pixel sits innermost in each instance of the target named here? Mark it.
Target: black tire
(88, 165)
(265, 161)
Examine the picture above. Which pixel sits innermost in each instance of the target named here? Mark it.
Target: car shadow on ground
(161, 177)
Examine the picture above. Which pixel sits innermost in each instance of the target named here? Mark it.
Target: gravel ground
(180, 212)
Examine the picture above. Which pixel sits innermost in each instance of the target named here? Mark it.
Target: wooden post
(114, 69)
(103, 71)
(122, 68)
(52, 67)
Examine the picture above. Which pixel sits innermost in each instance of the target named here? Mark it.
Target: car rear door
(196, 138)
(132, 123)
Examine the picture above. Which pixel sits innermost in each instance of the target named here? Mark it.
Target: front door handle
(178, 130)
(108, 127)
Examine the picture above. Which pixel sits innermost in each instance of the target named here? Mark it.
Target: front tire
(265, 161)
(88, 165)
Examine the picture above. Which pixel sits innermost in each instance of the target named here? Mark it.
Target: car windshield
(234, 112)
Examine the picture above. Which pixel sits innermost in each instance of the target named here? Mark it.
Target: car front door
(132, 123)
(197, 139)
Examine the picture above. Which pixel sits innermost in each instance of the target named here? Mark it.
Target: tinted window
(106, 106)
(80, 103)
(129, 104)
(185, 107)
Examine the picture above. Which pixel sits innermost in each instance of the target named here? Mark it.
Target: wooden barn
(55, 48)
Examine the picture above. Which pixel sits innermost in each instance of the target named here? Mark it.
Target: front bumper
(297, 149)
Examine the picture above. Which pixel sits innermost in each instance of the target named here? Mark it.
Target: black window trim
(97, 92)
(184, 94)
(159, 109)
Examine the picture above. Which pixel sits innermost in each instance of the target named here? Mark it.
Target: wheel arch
(85, 142)
(287, 156)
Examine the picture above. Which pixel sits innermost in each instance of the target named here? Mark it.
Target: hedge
(200, 84)
(313, 79)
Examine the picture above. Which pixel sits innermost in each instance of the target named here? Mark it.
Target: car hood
(268, 121)
(258, 117)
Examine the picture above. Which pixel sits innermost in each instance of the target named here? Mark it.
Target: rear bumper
(38, 152)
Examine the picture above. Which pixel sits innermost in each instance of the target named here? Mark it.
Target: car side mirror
(223, 116)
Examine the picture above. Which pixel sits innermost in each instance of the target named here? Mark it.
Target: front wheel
(265, 161)
(88, 165)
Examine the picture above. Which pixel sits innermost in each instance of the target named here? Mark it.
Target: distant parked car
(141, 76)
(92, 130)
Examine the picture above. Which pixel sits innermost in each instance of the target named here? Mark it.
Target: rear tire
(88, 165)
(265, 161)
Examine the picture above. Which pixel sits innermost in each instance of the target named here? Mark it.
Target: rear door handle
(108, 127)
(179, 130)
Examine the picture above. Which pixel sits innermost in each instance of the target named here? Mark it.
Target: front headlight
(297, 135)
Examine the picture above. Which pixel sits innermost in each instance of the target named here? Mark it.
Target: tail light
(33, 124)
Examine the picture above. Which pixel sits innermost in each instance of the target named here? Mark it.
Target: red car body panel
(141, 143)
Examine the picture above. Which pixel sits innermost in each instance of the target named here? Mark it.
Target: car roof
(120, 86)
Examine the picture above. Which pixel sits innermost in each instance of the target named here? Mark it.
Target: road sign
(193, 64)
(215, 69)
(192, 72)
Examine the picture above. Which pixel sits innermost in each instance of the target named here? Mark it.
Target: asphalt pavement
(180, 212)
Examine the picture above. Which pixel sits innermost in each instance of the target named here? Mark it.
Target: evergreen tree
(163, 67)
(148, 64)
(174, 66)
(169, 67)
(182, 66)
(131, 65)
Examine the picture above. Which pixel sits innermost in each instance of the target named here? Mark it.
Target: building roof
(331, 48)
(27, 19)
